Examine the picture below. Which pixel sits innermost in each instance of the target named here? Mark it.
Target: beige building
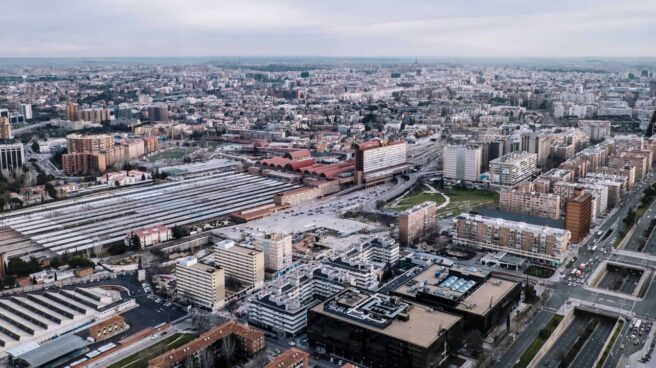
(5, 128)
(200, 284)
(462, 162)
(417, 222)
(243, 264)
(530, 203)
(540, 243)
(277, 249)
(641, 163)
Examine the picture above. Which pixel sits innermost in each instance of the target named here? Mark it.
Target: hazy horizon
(339, 29)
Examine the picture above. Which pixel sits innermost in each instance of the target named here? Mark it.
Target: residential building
(598, 130)
(277, 249)
(200, 284)
(578, 214)
(150, 236)
(539, 243)
(89, 143)
(242, 264)
(513, 168)
(84, 163)
(537, 143)
(417, 222)
(72, 111)
(290, 358)
(462, 162)
(530, 203)
(158, 113)
(5, 128)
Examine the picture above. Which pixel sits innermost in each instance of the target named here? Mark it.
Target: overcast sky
(430, 28)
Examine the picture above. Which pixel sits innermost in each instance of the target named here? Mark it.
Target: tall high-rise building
(379, 160)
(277, 249)
(200, 284)
(158, 113)
(538, 144)
(72, 111)
(25, 110)
(578, 214)
(462, 162)
(242, 264)
(5, 128)
(417, 222)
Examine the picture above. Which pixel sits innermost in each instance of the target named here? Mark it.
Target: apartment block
(417, 222)
(539, 243)
(200, 284)
(597, 129)
(530, 203)
(462, 162)
(243, 264)
(578, 214)
(277, 249)
(513, 168)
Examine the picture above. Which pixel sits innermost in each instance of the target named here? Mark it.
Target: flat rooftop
(472, 297)
(413, 323)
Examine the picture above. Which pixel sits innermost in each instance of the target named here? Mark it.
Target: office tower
(462, 162)
(578, 214)
(378, 330)
(12, 156)
(277, 250)
(540, 243)
(26, 111)
(5, 128)
(158, 113)
(200, 284)
(379, 160)
(513, 168)
(72, 111)
(242, 264)
(417, 222)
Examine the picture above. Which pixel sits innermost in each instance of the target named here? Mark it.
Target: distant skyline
(425, 29)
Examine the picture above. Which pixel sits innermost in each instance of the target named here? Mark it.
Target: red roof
(298, 154)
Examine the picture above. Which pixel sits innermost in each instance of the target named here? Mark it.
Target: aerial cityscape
(295, 184)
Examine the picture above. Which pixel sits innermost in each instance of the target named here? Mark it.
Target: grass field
(140, 359)
(535, 346)
(172, 154)
(463, 200)
(417, 196)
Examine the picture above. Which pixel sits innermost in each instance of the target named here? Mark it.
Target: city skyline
(509, 29)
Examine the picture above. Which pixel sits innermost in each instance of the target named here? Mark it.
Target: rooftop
(413, 323)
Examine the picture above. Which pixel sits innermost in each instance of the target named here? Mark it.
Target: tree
(52, 192)
(206, 357)
(474, 341)
(179, 232)
(380, 204)
(35, 146)
(135, 242)
(228, 347)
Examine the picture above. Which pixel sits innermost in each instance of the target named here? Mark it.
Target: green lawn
(140, 359)
(177, 153)
(417, 196)
(463, 200)
(535, 346)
